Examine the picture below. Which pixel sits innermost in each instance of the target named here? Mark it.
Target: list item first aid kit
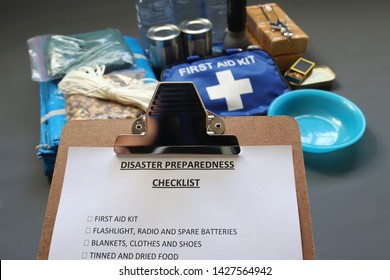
(238, 83)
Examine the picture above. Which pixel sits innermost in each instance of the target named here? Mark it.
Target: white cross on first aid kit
(230, 89)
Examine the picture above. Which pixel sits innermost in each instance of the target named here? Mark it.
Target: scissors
(278, 25)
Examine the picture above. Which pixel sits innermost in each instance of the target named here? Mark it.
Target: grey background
(349, 190)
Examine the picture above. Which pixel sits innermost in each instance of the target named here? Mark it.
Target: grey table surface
(349, 190)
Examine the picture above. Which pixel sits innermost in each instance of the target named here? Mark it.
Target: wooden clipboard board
(250, 131)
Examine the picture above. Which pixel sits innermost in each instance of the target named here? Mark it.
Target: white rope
(90, 81)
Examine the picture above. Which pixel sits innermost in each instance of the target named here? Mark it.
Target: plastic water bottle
(151, 13)
(216, 12)
(188, 9)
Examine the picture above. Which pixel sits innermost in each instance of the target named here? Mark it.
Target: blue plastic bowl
(327, 121)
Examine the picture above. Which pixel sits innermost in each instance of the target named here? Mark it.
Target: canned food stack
(173, 29)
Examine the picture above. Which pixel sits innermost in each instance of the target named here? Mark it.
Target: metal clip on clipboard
(177, 122)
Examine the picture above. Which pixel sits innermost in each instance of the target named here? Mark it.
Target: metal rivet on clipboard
(278, 25)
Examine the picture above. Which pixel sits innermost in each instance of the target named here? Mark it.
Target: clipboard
(249, 130)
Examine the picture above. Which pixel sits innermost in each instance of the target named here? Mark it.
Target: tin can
(197, 38)
(165, 46)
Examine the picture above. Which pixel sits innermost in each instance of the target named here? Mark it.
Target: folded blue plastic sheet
(53, 118)
(53, 114)
(140, 59)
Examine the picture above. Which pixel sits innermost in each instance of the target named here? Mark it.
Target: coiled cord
(90, 82)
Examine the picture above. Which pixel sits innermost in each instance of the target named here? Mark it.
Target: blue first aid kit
(237, 83)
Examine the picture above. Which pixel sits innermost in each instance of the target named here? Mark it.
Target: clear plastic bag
(82, 107)
(52, 56)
